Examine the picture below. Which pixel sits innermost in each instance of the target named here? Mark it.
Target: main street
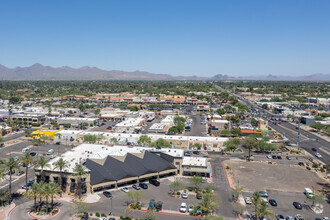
(308, 140)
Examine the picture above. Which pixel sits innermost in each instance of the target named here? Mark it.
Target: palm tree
(60, 164)
(12, 166)
(42, 163)
(46, 193)
(27, 159)
(237, 190)
(264, 211)
(35, 192)
(208, 203)
(256, 200)
(54, 189)
(4, 197)
(79, 172)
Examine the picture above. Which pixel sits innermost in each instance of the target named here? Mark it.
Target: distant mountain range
(40, 72)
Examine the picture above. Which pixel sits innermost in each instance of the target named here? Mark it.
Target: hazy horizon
(202, 38)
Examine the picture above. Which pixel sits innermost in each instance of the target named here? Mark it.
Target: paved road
(290, 131)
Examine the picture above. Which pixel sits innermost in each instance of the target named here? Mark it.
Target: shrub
(35, 124)
(69, 193)
(227, 168)
(322, 170)
(308, 168)
(178, 193)
(90, 214)
(103, 215)
(270, 162)
(97, 214)
(315, 165)
(85, 213)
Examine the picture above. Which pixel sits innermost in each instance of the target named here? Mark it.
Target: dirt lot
(261, 176)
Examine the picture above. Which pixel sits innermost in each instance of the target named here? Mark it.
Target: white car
(318, 155)
(52, 156)
(264, 199)
(102, 218)
(289, 218)
(248, 200)
(269, 157)
(125, 189)
(184, 195)
(190, 208)
(183, 207)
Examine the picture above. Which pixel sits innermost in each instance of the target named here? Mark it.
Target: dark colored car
(154, 182)
(301, 164)
(280, 217)
(107, 194)
(84, 217)
(33, 154)
(279, 157)
(143, 185)
(272, 202)
(199, 196)
(297, 205)
(196, 152)
(314, 149)
(159, 205)
(274, 157)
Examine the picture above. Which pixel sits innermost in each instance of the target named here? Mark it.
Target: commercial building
(76, 121)
(29, 118)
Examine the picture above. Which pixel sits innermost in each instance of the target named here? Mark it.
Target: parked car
(21, 172)
(136, 186)
(301, 163)
(50, 152)
(159, 205)
(263, 194)
(289, 218)
(102, 218)
(297, 205)
(125, 189)
(279, 157)
(152, 203)
(33, 154)
(272, 202)
(274, 157)
(107, 194)
(190, 208)
(84, 217)
(289, 157)
(314, 149)
(154, 182)
(280, 217)
(298, 217)
(143, 185)
(199, 196)
(269, 156)
(318, 155)
(184, 195)
(183, 207)
(52, 156)
(248, 200)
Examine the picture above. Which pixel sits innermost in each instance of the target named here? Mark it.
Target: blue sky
(178, 37)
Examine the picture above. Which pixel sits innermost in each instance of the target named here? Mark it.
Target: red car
(314, 149)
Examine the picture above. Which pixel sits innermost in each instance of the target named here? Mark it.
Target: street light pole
(110, 206)
(298, 141)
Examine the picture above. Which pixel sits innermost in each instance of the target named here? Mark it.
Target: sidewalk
(4, 211)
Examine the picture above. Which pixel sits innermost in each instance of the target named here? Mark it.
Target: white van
(308, 192)
(50, 152)
(26, 149)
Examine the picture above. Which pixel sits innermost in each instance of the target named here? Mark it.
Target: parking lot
(285, 206)
(160, 193)
(254, 176)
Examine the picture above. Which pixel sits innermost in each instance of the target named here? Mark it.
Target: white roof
(194, 161)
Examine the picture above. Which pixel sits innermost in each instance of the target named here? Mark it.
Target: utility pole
(298, 141)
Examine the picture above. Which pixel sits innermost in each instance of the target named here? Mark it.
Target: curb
(12, 209)
(167, 213)
(44, 218)
(229, 181)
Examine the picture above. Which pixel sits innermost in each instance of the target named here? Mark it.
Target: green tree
(28, 133)
(196, 182)
(317, 126)
(316, 199)
(90, 138)
(254, 122)
(161, 143)
(237, 190)
(35, 193)
(97, 111)
(60, 165)
(236, 132)
(208, 203)
(250, 143)
(12, 166)
(177, 120)
(221, 111)
(263, 211)
(26, 160)
(149, 215)
(134, 108)
(54, 189)
(225, 132)
(256, 201)
(80, 172)
(114, 140)
(42, 163)
(232, 144)
(144, 140)
(197, 146)
(176, 186)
